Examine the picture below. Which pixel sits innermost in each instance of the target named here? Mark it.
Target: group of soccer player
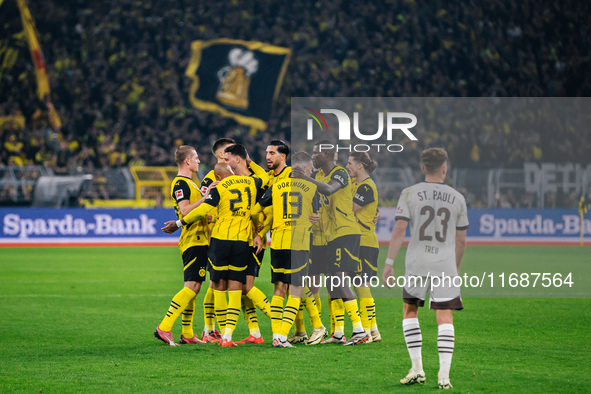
(225, 222)
(322, 222)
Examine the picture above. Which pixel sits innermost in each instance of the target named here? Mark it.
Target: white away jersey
(435, 211)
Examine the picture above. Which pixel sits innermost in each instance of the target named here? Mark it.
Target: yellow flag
(39, 62)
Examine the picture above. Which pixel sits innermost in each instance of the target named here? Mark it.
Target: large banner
(239, 79)
(26, 226)
(536, 226)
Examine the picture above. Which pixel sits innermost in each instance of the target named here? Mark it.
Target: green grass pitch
(81, 320)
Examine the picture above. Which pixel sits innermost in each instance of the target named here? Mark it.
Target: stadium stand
(117, 73)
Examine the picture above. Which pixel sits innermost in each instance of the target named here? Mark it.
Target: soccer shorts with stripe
(194, 263)
(343, 254)
(254, 262)
(368, 263)
(289, 266)
(228, 260)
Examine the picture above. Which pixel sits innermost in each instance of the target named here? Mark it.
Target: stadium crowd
(117, 69)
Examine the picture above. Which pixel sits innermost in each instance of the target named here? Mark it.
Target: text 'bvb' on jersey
(365, 194)
(435, 211)
(234, 197)
(293, 201)
(196, 234)
(337, 209)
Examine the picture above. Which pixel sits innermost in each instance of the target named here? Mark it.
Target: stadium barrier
(26, 226)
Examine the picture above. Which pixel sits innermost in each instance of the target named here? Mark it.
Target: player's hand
(315, 218)
(257, 242)
(377, 217)
(248, 159)
(297, 172)
(209, 218)
(211, 186)
(388, 273)
(170, 227)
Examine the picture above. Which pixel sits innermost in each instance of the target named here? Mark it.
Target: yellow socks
(338, 313)
(221, 307)
(260, 300)
(299, 324)
(276, 313)
(234, 298)
(188, 314)
(364, 304)
(371, 311)
(208, 311)
(289, 314)
(250, 315)
(318, 302)
(177, 305)
(366, 307)
(310, 306)
(353, 312)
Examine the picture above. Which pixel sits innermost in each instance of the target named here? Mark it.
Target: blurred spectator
(117, 73)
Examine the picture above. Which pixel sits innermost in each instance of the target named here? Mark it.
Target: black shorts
(368, 264)
(318, 259)
(254, 262)
(440, 296)
(343, 254)
(289, 266)
(194, 263)
(228, 260)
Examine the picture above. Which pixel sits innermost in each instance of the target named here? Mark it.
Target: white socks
(445, 343)
(414, 341)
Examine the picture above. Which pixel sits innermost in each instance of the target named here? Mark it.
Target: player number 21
(238, 199)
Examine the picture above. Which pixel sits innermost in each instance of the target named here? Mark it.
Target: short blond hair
(182, 152)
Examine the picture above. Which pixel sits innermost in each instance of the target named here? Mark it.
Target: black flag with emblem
(239, 79)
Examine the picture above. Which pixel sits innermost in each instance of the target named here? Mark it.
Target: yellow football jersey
(337, 211)
(293, 201)
(365, 194)
(196, 234)
(234, 197)
(207, 180)
(258, 171)
(284, 174)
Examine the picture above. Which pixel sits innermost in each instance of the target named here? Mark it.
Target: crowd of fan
(117, 72)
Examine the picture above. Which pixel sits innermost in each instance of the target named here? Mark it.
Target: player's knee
(444, 316)
(410, 311)
(193, 286)
(280, 289)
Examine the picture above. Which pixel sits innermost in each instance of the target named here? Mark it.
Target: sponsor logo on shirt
(339, 178)
(178, 194)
